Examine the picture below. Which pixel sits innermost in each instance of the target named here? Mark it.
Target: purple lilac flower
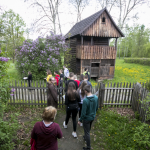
(4, 59)
(11, 94)
(12, 90)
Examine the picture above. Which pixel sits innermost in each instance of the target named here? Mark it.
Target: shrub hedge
(142, 61)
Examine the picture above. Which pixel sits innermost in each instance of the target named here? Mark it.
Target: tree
(79, 6)
(125, 7)
(48, 15)
(14, 28)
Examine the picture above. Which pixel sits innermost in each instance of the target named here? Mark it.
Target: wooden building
(89, 43)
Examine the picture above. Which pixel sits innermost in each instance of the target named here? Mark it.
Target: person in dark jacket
(52, 93)
(89, 108)
(71, 79)
(72, 99)
(81, 77)
(86, 79)
(45, 133)
(29, 78)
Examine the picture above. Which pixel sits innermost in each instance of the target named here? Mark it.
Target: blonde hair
(50, 80)
(49, 113)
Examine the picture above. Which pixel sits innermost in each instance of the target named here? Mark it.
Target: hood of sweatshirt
(49, 129)
(91, 98)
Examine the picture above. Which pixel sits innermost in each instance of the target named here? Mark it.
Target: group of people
(78, 98)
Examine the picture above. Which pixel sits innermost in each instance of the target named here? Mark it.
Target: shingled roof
(79, 27)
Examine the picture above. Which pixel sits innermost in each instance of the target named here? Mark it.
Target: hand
(79, 122)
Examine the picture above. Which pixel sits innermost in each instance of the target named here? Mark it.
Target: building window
(103, 20)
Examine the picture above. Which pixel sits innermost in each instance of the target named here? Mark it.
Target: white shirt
(66, 72)
(47, 125)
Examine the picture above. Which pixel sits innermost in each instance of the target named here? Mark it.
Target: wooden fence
(113, 95)
(36, 94)
(124, 95)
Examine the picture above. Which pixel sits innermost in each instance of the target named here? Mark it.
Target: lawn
(124, 72)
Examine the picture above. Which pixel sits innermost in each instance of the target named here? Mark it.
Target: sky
(68, 15)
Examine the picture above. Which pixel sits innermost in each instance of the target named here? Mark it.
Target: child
(57, 77)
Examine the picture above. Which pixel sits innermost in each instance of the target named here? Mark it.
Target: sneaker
(74, 134)
(65, 126)
(81, 124)
(85, 148)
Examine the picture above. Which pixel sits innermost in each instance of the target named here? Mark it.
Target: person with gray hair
(75, 79)
(89, 108)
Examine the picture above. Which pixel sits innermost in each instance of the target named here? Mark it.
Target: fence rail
(113, 95)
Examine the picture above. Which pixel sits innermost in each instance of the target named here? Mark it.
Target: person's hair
(50, 80)
(75, 77)
(61, 70)
(49, 113)
(81, 77)
(71, 92)
(84, 83)
(56, 72)
(87, 88)
(29, 72)
(86, 76)
(85, 69)
(64, 66)
(49, 72)
(71, 74)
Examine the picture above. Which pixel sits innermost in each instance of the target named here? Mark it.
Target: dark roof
(79, 27)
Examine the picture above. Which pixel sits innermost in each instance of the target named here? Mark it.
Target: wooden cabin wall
(98, 28)
(71, 61)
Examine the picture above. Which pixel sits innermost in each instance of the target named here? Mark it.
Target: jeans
(74, 112)
(87, 128)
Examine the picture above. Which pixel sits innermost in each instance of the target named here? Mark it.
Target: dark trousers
(74, 112)
(87, 128)
(65, 80)
(80, 105)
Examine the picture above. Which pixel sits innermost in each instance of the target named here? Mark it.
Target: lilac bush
(39, 55)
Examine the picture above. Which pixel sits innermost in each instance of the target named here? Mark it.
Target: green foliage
(136, 42)
(8, 132)
(142, 137)
(142, 61)
(114, 131)
(13, 30)
(39, 55)
(147, 86)
(7, 128)
(146, 106)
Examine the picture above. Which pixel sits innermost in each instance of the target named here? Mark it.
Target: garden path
(68, 142)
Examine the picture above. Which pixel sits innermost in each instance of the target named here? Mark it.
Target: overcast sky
(68, 14)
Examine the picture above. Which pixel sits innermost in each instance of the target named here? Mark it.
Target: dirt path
(68, 142)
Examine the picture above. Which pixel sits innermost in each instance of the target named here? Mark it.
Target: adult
(86, 73)
(86, 79)
(75, 79)
(29, 78)
(89, 108)
(52, 93)
(66, 73)
(72, 99)
(82, 97)
(81, 77)
(49, 74)
(61, 80)
(45, 133)
(57, 77)
(71, 79)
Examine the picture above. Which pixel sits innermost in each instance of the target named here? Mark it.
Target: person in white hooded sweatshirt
(66, 73)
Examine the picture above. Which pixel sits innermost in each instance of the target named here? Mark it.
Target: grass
(115, 132)
(124, 72)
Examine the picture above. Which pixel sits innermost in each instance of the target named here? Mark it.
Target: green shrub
(7, 128)
(39, 55)
(142, 61)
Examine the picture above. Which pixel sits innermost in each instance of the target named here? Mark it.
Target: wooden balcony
(95, 52)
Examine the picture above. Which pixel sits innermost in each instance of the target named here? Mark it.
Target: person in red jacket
(45, 133)
(57, 77)
(75, 79)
